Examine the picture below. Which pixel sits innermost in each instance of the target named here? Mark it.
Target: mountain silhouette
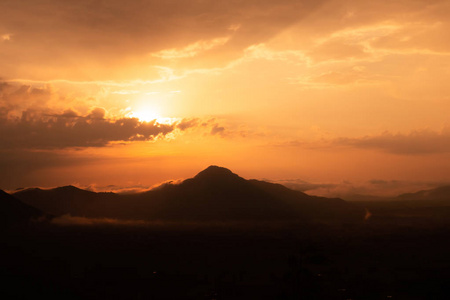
(441, 193)
(14, 212)
(214, 194)
(66, 200)
(216, 172)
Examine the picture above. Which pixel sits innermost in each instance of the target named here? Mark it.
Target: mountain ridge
(14, 212)
(215, 193)
(441, 193)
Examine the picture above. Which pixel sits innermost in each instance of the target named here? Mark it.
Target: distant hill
(215, 193)
(365, 198)
(14, 212)
(68, 200)
(437, 194)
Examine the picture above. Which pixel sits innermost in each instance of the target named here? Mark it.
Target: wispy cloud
(126, 92)
(193, 49)
(360, 190)
(6, 37)
(413, 143)
(68, 220)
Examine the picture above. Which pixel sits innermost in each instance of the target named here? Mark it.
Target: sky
(328, 96)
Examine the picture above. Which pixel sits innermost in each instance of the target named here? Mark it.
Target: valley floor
(295, 261)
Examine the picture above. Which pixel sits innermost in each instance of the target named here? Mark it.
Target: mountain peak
(214, 172)
(68, 188)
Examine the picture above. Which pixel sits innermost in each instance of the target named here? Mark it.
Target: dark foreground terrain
(226, 261)
(219, 236)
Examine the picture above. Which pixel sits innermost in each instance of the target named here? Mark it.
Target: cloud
(16, 98)
(218, 130)
(192, 49)
(187, 123)
(360, 191)
(210, 124)
(336, 49)
(38, 118)
(68, 220)
(133, 189)
(126, 92)
(349, 32)
(416, 142)
(113, 42)
(5, 37)
(105, 35)
(303, 186)
(36, 130)
(413, 143)
(336, 78)
(417, 37)
(118, 189)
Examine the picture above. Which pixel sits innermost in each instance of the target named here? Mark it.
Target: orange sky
(350, 94)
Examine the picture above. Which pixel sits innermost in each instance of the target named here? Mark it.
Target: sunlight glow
(152, 114)
(155, 105)
(146, 115)
(149, 116)
(147, 108)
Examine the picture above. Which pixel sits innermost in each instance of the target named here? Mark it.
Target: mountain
(365, 198)
(437, 194)
(214, 194)
(67, 200)
(14, 212)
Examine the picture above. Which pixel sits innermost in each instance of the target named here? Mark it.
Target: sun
(146, 115)
(152, 107)
(146, 109)
(149, 113)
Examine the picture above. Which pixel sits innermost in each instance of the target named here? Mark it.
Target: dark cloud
(219, 130)
(27, 122)
(416, 142)
(187, 123)
(211, 124)
(34, 130)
